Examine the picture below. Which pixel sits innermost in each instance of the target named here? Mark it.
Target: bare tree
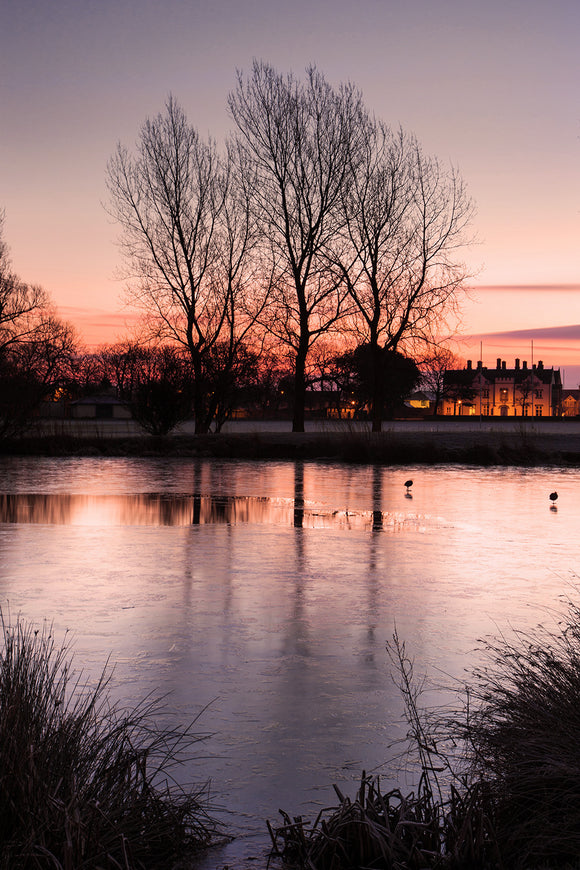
(154, 382)
(434, 367)
(186, 233)
(36, 347)
(524, 390)
(233, 380)
(405, 218)
(298, 136)
(23, 307)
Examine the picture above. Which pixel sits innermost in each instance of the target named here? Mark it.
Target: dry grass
(524, 739)
(499, 779)
(82, 783)
(443, 823)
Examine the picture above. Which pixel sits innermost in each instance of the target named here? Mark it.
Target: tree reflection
(174, 509)
(298, 495)
(377, 495)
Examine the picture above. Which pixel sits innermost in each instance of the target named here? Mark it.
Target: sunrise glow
(491, 90)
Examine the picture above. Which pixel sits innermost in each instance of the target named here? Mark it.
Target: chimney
(540, 365)
(478, 365)
(503, 365)
(468, 365)
(525, 365)
(498, 363)
(517, 365)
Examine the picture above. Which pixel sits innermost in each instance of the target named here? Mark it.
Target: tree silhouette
(298, 137)
(404, 220)
(186, 233)
(36, 348)
(387, 384)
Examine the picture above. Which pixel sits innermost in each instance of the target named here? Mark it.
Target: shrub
(84, 784)
(499, 779)
(523, 738)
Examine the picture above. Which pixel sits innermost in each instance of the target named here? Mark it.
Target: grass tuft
(84, 784)
(523, 737)
(499, 779)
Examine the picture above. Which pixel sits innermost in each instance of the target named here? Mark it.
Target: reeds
(499, 779)
(442, 823)
(524, 739)
(84, 784)
(375, 829)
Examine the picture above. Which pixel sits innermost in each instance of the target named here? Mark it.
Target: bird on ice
(409, 484)
(553, 497)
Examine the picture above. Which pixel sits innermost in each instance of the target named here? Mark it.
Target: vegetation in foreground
(499, 782)
(82, 783)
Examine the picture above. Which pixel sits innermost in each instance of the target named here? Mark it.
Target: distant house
(419, 399)
(521, 391)
(99, 408)
(570, 403)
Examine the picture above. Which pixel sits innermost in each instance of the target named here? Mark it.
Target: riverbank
(509, 443)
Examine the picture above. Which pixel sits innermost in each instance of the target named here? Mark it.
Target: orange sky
(490, 87)
(497, 322)
(504, 321)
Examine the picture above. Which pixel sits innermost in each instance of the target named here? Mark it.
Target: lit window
(538, 410)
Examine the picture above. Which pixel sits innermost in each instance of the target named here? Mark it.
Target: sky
(491, 87)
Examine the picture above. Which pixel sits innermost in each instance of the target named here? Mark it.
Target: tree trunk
(201, 424)
(299, 392)
(377, 394)
(199, 404)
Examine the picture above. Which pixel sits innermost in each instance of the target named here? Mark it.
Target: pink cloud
(96, 326)
(569, 332)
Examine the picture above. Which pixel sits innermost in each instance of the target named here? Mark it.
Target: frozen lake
(266, 592)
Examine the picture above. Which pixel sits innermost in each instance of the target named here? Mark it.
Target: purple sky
(491, 86)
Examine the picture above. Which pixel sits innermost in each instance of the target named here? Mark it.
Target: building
(501, 392)
(570, 403)
(102, 407)
(420, 399)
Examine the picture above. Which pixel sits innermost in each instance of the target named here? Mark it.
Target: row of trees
(157, 386)
(41, 361)
(318, 246)
(316, 223)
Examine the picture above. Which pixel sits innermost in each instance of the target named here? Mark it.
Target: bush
(523, 738)
(82, 783)
(499, 779)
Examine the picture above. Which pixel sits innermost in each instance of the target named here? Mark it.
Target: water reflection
(377, 494)
(167, 509)
(299, 495)
(268, 591)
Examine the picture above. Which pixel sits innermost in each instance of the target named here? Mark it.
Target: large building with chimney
(522, 391)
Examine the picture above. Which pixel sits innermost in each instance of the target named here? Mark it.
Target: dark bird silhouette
(409, 484)
(553, 496)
